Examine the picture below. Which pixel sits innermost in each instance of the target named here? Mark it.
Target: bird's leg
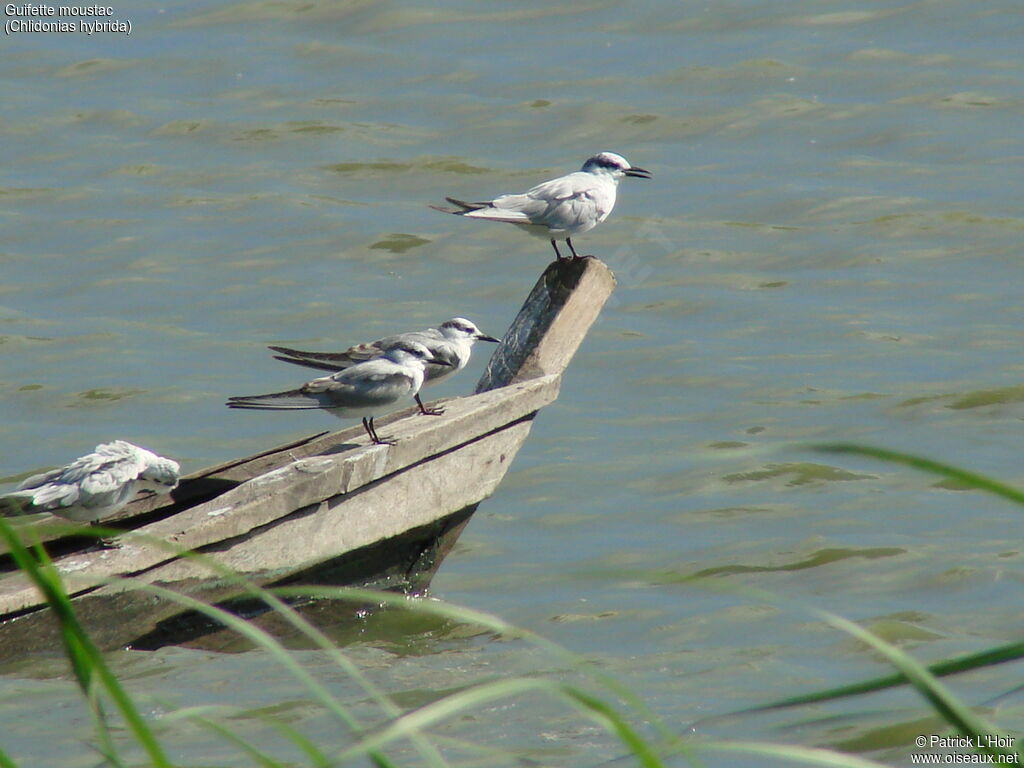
(558, 255)
(372, 432)
(575, 256)
(103, 541)
(427, 411)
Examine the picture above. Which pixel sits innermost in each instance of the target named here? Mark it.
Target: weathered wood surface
(424, 494)
(413, 498)
(281, 511)
(552, 324)
(304, 482)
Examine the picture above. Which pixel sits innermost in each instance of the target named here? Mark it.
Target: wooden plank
(231, 506)
(541, 341)
(552, 323)
(414, 497)
(421, 494)
(303, 482)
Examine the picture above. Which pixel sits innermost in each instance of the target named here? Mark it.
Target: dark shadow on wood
(405, 563)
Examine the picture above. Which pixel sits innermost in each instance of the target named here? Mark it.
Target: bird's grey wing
(584, 208)
(572, 200)
(514, 209)
(319, 365)
(455, 355)
(106, 492)
(41, 479)
(295, 399)
(110, 464)
(340, 359)
(92, 481)
(358, 353)
(349, 388)
(328, 361)
(324, 361)
(561, 188)
(112, 474)
(366, 389)
(448, 353)
(41, 491)
(540, 204)
(49, 495)
(110, 482)
(337, 361)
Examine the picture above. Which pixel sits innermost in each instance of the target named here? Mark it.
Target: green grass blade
(103, 731)
(316, 757)
(258, 756)
(5, 761)
(437, 711)
(942, 701)
(206, 713)
(955, 712)
(479, 695)
(614, 723)
(949, 471)
(789, 754)
(263, 640)
(86, 659)
(495, 624)
(987, 658)
(426, 748)
(458, 614)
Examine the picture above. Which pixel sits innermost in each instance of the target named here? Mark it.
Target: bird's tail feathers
(326, 361)
(468, 206)
(17, 504)
(343, 359)
(292, 400)
(306, 362)
(462, 207)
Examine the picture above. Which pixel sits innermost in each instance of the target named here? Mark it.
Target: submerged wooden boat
(331, 508)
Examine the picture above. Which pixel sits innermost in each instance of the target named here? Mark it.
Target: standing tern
(365, 389)
(452, 342)
(560, 208)
(94, 486)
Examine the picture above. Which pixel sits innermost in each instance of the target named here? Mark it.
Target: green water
(828, 251)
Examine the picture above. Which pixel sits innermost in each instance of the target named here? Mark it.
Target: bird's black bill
(639, 173)
(485, 337)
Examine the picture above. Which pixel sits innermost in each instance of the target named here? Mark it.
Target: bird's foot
(384, 441)
(109, 543)
(431, 411)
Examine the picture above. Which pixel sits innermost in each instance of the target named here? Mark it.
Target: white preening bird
(452, 342)
(561, 208)
(95, 486)
(363, 390)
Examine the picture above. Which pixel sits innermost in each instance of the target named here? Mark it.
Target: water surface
(828, 251)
